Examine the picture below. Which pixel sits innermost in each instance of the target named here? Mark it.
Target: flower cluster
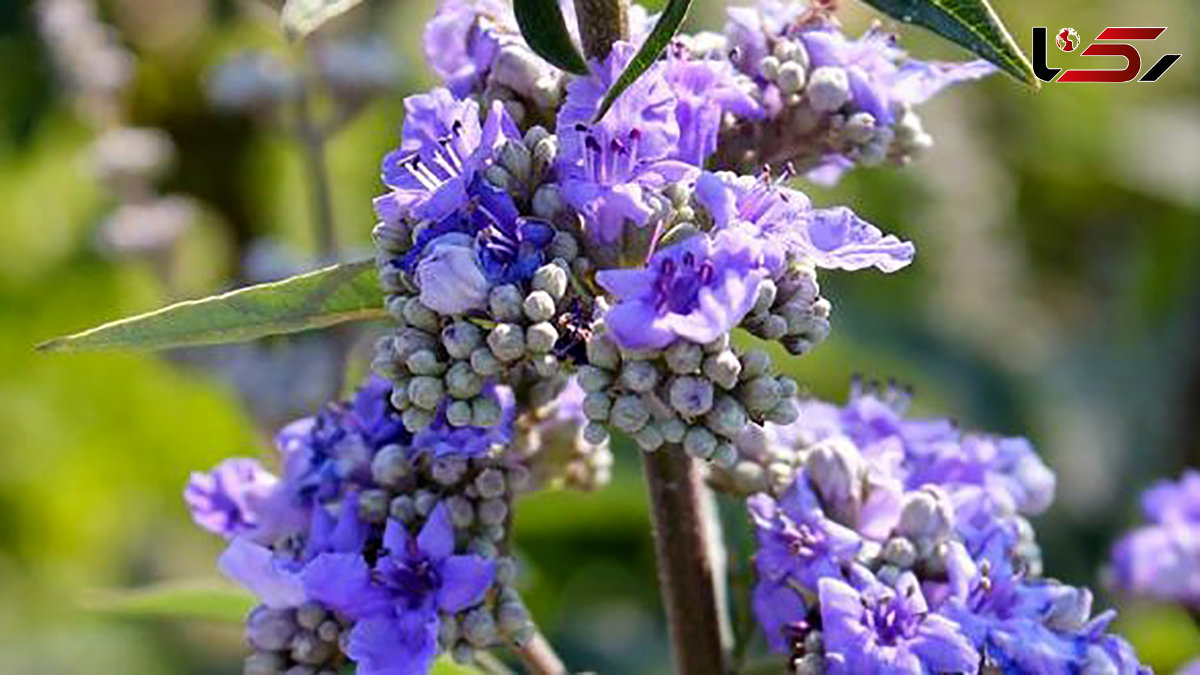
(888, 544)
(830, 102)
(373, 545)
(1161, 560)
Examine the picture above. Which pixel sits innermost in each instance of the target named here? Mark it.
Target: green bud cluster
(700, 396)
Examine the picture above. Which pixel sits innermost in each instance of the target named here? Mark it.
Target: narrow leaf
(545, 30)
(347, 292)
(207, 600)
(301, 17)
(970, 23)
(666, 28)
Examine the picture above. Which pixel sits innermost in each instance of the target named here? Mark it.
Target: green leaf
(208, 600)
(666, 28)
(970, 23)
(346, 292)
(545, 30)
(301, 17)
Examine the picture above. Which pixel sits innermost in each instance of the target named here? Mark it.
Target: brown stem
(539, 657)
(601, 23)
(685, 566)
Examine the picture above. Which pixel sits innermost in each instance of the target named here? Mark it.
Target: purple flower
(1174, 502)
(396, 603)
(698, 289)
(442, 147)
(780, 612)
(486, 242)
(226, 500)
(1160, 562)
(275, 577)
(870, 627)
(830, 238)
(751, 29)
(462, 40)
(706, 90)
(797, 547)
(440, 439)
(1033, 626)
(881, 76)
(609, 168)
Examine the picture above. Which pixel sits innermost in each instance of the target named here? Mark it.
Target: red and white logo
(1112, 41)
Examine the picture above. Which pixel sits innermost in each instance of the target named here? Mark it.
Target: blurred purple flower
(462, 40)
(226, 500)
(1161, 560)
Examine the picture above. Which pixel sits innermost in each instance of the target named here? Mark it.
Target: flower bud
(270, 629)
(602, 353)
(684, 357)
(699, 443)
(629, 414)
(505, 302)
(727, 417)
(461, 338)
(828, 88)
(485, 412)
(691, 396)
(723, 368)
(539, 306)
(835, 470)
(552, 279)
(540, 338)
(592, 379)
(450, 278)
(484, 363)
(426, 392)
(926, 514)
(390, 466)
(462, 381)
(507, 342)
(639, 376)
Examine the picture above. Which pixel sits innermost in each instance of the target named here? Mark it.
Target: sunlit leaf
(970, 23)
(668, 24)
(301, 17)
(545, 30)
(208, 600)
(328, 296)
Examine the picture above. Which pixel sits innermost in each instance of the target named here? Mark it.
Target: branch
(539, 657)
(601, 23)
(685, 565)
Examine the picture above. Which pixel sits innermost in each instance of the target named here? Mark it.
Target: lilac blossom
(275, 577)
(610, 168)
(698, 289)
(871, 627)
(706, 90)
(485, 242)
(396, 603)
(462, 40)
(1161, 560)
(442, 147)
(225, 500)
(830, 238)
(881, 75)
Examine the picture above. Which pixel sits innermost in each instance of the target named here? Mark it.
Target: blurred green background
(1055, 295)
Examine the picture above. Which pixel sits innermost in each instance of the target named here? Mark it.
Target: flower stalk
(601, 23)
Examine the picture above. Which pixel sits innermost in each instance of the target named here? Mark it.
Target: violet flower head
(226, 500)
(832, 238)
(797, 547)
(397, 603)
(485, 242)
(698, 290)
(873, 628)
(610, 167)
(443, 145)
(1161, 559)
